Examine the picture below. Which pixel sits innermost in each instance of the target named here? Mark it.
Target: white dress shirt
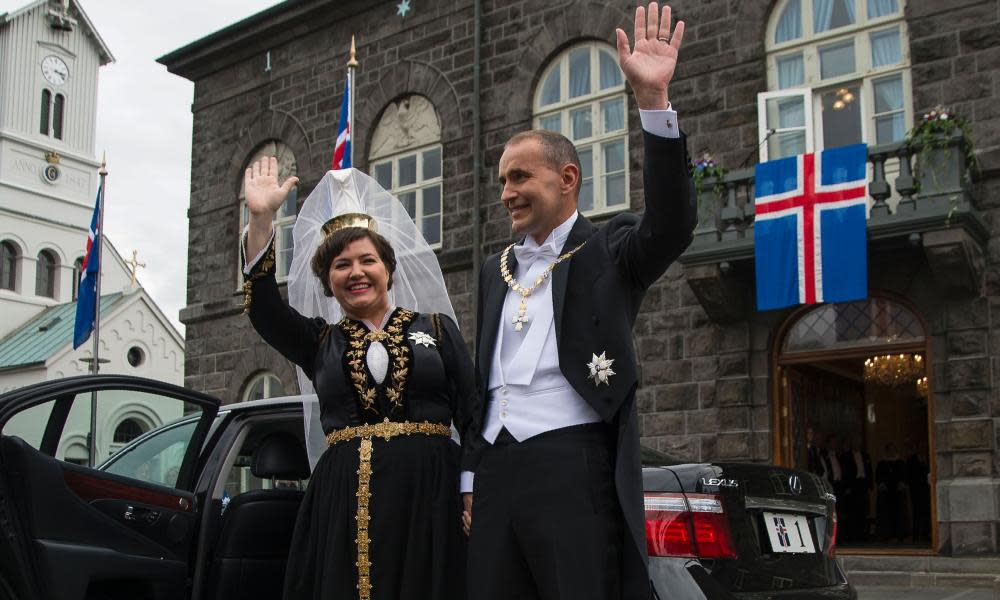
(527, 393)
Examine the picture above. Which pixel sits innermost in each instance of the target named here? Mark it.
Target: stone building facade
(720, 380)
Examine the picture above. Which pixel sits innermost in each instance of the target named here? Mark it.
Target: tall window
(405, 159)
(838, 74)
(46, 114)
(582, 96)
(263, 385)
(58, 107)
(8, 266)
(77, 272)
(45, 274)
(284, 220)
(51, 119)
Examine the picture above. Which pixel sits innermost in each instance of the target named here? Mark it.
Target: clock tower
(51, 55)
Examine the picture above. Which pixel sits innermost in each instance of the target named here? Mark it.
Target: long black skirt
(417, 547)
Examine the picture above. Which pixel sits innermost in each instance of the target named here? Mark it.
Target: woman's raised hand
(263, 194)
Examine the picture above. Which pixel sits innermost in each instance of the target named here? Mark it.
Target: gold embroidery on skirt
(387, 430)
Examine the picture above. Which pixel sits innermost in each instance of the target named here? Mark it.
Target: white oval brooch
(600, 369)
(425, 340)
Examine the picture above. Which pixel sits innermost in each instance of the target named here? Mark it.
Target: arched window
(263, 385)
(838, 74)
(581, 95)
(43, 123)
(284, 220)
(405, 159)
(77, 272)
(58, 110)
(45, 274)
(8, 266)
(128, 430)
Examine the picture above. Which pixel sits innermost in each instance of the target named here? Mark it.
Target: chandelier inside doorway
(894, 369)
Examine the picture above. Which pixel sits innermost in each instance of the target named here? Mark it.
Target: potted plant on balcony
(941, 141)
(706, 171)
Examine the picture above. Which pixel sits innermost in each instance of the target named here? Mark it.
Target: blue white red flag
(810, 228)
(86, 302)
(342, 151)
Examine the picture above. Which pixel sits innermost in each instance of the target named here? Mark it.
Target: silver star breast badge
(600, 369)
(425, 340)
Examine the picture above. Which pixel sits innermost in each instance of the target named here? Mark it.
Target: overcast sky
(144, 126)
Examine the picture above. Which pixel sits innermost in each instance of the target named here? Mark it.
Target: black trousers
(546, 524)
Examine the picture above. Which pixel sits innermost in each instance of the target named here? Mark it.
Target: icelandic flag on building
(810, 228)
(342, 151)
(86, 302)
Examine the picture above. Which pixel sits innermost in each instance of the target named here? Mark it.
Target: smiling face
(537, 195)
(359, 281)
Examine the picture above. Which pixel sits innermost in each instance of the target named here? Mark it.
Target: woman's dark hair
(334, 245)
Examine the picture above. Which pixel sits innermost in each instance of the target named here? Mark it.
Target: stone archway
(854, 405)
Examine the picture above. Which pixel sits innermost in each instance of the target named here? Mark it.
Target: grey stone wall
(706, 391)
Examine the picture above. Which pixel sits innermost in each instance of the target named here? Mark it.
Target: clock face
(55, 70)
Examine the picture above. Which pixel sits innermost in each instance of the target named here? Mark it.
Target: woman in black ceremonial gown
(380, 518)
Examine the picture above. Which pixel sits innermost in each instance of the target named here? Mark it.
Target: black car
(202, 507)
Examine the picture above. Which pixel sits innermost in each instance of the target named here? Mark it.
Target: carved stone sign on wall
(407, 123)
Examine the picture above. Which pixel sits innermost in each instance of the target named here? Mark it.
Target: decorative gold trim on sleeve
(263, 268)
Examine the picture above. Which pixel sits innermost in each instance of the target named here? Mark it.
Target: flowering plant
(933, 131)
(705, 166)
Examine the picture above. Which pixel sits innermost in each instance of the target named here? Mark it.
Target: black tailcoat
(596, 296)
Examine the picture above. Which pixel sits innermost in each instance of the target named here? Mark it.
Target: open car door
(72, 531)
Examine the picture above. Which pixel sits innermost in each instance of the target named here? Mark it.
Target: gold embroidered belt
(386, 429)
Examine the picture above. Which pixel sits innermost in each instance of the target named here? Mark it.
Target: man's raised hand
(649, 66)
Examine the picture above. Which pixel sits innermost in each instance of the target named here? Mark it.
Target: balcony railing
(924, 200)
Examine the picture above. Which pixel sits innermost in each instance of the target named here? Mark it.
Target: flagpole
(352, 66)
(95, 364)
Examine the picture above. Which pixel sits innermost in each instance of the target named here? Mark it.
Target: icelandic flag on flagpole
(86, 302)
(342, 151)
(810, 228)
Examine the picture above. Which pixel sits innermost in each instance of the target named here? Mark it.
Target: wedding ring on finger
(663, 39)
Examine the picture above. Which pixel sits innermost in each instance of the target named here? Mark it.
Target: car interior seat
(257, 525)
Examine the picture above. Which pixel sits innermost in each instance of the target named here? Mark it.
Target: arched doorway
(854, 405)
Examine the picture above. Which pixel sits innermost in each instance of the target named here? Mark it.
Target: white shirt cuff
(465, 482)
(662, 123)
(251, 263)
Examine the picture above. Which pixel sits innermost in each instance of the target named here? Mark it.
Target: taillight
(694, 525)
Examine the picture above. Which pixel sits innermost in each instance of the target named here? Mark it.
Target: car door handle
(150, 517)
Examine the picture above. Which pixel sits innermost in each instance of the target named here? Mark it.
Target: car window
(135, 434)
(157, 457)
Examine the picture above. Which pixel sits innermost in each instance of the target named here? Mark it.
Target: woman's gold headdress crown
(355, 219)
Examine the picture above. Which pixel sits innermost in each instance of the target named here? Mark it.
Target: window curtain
(885, 48)
(790, 23)
(791, 72)
(889, 98)
(822, 15)
(881, 8)
(611, 75)
(579, 72)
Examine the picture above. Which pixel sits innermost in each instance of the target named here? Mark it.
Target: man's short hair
(556, 147)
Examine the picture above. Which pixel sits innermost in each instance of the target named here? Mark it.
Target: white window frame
(566, 105)
(268, 378)
(762, 124)
(864, 74)
(418, 187)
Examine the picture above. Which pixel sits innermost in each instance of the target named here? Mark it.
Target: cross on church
(134, 264)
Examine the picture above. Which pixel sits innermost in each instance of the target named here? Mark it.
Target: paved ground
(925, 593)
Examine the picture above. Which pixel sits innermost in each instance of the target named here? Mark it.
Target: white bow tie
(528, 254)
